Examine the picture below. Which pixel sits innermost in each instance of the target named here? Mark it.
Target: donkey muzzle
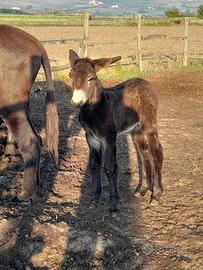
(79, 97)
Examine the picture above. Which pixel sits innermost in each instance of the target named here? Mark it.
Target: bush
(173, 13)
(200, 11)
(178, 21)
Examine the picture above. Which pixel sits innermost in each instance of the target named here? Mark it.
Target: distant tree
(11, 11)
(28, 7)
(173, 13)
(200, 11)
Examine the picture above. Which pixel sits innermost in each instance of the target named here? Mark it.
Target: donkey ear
(104, 62)
(73, 57)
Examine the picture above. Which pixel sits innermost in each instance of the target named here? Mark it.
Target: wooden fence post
(84, 42)
(139, 49)
(185, 50)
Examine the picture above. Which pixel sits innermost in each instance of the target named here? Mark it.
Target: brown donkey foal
(105, 113)
(21, 56)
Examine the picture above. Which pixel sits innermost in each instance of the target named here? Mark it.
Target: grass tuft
(119, 72)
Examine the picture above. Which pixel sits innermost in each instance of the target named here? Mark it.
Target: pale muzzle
(79, 97)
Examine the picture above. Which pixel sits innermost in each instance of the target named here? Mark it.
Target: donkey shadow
(99, 238)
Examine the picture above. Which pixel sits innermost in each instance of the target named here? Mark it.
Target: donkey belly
(136, 128)
(127, 121)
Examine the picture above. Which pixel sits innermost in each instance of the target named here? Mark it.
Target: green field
(40, 20)
(69, 20)
(77, 19)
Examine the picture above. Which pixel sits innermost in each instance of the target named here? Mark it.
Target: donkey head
(84, 79)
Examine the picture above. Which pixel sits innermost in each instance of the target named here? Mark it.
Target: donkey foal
(129, 107)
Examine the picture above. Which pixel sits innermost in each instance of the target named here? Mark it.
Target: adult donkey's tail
(52, 128)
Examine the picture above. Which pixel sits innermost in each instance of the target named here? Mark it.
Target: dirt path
(64, 231)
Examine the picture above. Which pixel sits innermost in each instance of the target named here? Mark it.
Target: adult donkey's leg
(29, 145)
(95, 163)
(10, 149)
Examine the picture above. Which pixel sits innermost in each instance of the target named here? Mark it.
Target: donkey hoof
(95, 199)
(114, 204)
(97, 196)
(153, 202)
(137, 194)
(94, 203)
(156, 194)
(24, 197)
(114, 208)
(140, 191)
(27, 197)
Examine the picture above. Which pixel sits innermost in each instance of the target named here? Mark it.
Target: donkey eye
(91, 79)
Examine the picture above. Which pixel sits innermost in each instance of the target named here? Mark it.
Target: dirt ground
(64, 230)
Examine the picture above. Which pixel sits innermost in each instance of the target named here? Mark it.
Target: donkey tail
(52, 125)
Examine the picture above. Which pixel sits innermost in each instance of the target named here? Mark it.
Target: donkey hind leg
(157, 156)
(144, 164)
(31, 124)
(29, 146)
(10, 149)
(142, 186)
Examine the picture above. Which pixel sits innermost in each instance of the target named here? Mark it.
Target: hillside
(106, 7)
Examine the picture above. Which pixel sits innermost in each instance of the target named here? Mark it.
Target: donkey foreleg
(111, 169)
(95, 164)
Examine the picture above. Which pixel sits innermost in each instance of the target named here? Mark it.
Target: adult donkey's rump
(130, 107)
(21, 56)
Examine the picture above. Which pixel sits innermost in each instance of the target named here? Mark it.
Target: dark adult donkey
(105, 113)
(21, 56)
